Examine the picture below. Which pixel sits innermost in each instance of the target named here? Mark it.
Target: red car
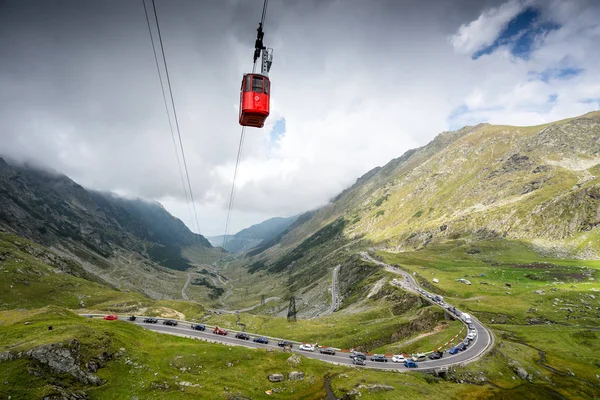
(219, 331)
(111, 317)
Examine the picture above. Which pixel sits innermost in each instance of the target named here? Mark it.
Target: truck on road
(466, 318)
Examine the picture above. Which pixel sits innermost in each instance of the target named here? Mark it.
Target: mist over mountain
(254, 235)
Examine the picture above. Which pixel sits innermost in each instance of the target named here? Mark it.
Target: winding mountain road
(479, 346)
(183, 293)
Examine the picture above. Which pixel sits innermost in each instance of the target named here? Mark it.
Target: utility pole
(262, 299)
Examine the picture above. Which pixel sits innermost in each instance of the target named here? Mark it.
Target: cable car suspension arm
(260, 48)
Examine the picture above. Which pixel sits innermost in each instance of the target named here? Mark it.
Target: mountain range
(538, 185)
(125, 241)
(253, 236)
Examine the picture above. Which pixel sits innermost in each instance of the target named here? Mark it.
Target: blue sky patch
(556, 73)
(462, 109)
(592, 101)
(520, 34)
(278, 130)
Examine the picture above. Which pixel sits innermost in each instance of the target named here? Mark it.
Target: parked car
(419, 357)
(242, 335)
(261, 339)
(199, 327)
(307, 347)
(379, 357)
(399, 358)
(453, 350)
(461, 346)
(471, 327)
(355, 354)
(410, 364)
(131, 318)
(219, 331)
(111, 317)
(436, 356)
(151, 320)
(473, 331)
(284, 343)
(170, 322)
(327, 350)
(471, 336)
(359, 361)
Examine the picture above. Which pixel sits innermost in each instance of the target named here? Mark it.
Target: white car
(398, 358)
(471, 336)
(307, 347)
(473, 331)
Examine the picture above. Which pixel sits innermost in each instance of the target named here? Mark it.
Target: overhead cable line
(258, 45)
(162, 88)
(187, 175)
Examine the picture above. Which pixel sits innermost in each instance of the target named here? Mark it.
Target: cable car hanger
(255, 90)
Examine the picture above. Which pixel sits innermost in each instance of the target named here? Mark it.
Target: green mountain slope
(537, 184)
(132, 244)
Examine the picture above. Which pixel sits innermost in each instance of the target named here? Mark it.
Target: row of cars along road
(434, 360)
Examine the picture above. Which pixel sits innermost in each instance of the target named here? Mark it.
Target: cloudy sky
(355, 83)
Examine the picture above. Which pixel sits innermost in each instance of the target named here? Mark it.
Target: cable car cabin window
(267, 86)
(247, 83)
(257, 85)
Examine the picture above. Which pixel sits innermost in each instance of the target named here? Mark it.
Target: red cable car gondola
(254, 100)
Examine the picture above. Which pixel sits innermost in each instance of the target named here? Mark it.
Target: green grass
(524, 322)
(29, 283)
(154, 358)
(564, 349)
(445, 331)
(490, 265)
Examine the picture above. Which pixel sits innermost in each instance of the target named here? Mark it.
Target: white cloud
(484, 31)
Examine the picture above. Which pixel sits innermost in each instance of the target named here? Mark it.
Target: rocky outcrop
(276, 377)
(374, 388)
(62, 394)
(379, 388)
(296, 375)
(294, 359)
(519, 370)
(6, 356)
(61, 358)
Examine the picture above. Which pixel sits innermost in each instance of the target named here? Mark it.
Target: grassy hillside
(536, 184)
(114, 359)
(132, 244)
(27, 282)
(34, 276)
(547, 320)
